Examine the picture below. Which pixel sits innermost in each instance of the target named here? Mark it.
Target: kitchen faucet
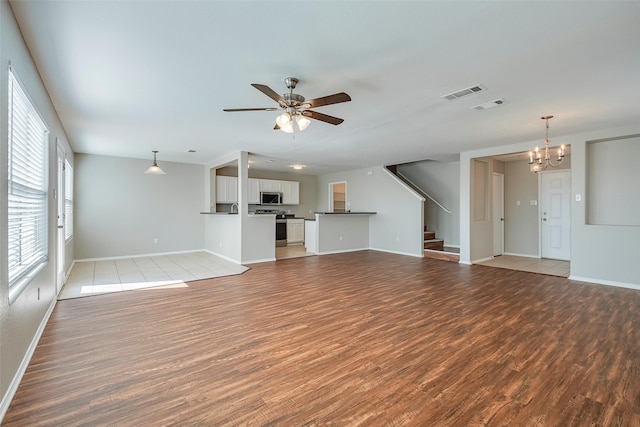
(236, 208)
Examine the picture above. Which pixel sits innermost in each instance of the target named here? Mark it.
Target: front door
(555, 214)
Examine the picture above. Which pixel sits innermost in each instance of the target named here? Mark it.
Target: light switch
(517, 202)
(533, 203)
(578, 197)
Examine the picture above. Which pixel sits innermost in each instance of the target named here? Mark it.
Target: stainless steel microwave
(270, 198)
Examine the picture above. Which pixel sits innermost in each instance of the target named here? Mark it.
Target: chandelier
(540, 161)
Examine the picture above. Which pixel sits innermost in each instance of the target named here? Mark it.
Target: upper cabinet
(226, 189)
(254, 191)
(270, 185)
(290, 193)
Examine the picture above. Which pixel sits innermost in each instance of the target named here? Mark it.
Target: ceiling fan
(296, 107)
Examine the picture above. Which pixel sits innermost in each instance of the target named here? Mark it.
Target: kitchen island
(335, 232)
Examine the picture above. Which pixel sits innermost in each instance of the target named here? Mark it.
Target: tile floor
(294, 251)
(551, 267)
(117, 275)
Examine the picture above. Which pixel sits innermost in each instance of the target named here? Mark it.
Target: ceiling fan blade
(269, 92)
(250, 109)
(336, 98)
(322, 117)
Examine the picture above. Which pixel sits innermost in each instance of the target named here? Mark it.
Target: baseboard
(255, 261)
(476, 261)
(143, 255)
(605, 282)
(521, 255)
(420, 255)
(342, 251)
(17, 378)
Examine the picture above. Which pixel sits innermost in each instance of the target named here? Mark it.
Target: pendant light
(154, 169)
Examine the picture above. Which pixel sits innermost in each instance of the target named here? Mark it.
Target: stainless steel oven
(281, 231)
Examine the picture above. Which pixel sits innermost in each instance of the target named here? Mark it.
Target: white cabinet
(295, 231)
(226, 189)
(253, 198)
(290, 193)
(270, 185)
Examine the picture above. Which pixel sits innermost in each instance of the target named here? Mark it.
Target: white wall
(521, 221)
(120, 210)
(22, 321)
(397, 226)
(441, 180)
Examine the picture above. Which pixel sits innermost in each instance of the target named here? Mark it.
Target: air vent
(464, 92)
(489, 104)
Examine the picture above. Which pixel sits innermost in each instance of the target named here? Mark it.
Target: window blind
(27, 185)
(68, 200)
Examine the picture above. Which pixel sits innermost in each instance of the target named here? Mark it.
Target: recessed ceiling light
(298, 167)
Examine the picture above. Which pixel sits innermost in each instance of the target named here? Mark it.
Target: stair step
(434, 244)
(441, 255)
(429, 235)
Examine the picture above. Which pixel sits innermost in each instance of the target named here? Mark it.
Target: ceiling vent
(464, 92)
(489, 104)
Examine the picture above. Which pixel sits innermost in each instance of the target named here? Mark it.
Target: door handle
(61, 226)
(544, 219)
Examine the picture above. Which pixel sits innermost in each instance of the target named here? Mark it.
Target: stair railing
(418, 189)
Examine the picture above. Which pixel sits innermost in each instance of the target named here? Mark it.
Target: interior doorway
(338, 197)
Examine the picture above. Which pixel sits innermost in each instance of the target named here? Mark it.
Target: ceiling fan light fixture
(287, 129)
(302, 122)
(283, 119)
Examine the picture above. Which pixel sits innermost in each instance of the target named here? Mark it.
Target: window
(27, 188)
(68, 200)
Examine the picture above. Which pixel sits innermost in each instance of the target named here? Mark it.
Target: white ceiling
(128, 77)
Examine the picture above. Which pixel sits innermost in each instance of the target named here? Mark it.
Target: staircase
(433, 247)
(430, 241)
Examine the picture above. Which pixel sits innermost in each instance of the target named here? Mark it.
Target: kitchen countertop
(346, 213)
(218, 213)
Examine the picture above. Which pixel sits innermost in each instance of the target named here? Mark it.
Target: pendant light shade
(154, 169)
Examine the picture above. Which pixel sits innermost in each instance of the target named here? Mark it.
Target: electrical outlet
(155, 241)
(340, 237)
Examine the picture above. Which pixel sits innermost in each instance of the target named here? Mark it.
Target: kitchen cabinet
(226, 189)
(295, 231)
(270, 185)
(290, 193)
(253, 198)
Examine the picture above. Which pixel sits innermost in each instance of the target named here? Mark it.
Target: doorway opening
(338, 197)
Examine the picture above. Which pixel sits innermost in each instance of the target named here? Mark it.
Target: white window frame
(68, 201)
(28, 189)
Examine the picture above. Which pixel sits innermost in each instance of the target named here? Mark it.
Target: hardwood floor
(365, 338)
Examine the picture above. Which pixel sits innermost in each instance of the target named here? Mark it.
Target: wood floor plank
(365, 338)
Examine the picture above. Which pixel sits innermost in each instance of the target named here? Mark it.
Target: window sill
(16, 290)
